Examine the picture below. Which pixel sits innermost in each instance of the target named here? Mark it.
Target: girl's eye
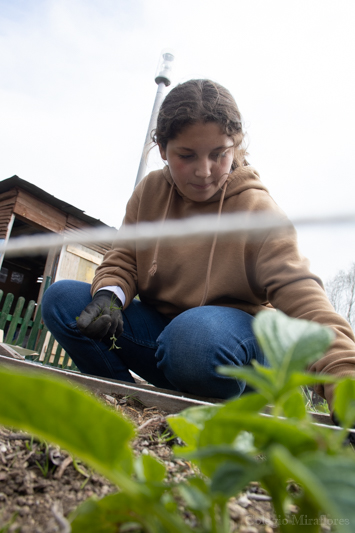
(182, 156)
(219, 155)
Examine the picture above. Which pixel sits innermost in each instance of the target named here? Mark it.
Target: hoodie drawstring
(154, 266)
(210, 260)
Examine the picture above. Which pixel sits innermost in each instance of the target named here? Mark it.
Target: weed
(4, 528)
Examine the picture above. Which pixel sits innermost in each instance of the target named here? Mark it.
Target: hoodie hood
(238, 181)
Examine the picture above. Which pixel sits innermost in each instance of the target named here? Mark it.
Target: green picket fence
(25, 328)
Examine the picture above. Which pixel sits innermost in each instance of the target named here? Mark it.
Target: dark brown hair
(200, 101)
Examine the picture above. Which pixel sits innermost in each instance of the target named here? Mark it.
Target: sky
(77, 90)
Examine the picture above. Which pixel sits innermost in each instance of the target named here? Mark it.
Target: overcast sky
(77, 89)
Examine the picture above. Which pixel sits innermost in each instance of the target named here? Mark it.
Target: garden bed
(40, 484)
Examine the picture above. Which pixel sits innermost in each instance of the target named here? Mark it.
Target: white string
(143, 233)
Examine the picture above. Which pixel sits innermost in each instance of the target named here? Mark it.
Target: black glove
(102, 318)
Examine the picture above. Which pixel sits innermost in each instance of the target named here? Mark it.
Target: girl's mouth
(201, 187)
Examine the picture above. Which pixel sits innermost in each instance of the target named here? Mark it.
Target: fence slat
(6, 309)
(26, 322)
(49, 350)
(37, 325)
(41, 340)
(57, 356)
(15, 320)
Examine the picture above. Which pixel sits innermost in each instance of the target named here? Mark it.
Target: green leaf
(230, 478)
(227, 424)
(188, 424)
(103, 515)
(328, 482)
(344, 402)
(290, 342)
(194, 498)
(149, 469)
(262, 380)
(294, 406)
(336, 474)
(58, 412)
(210, 458)
(297, 379)
(110, 513)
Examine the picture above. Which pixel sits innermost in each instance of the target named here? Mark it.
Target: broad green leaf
(294, 406)
(104, 516)
(249, 402)
(336, 474)
(194, 498)
(289, 341)
(149, 469)
(297, 379)
(263, 383)
(210, 458)
(188, 424)
(328, 482)
(344, 402)
(226, 425)
(110, 513)
(230, 478)
(64, 414)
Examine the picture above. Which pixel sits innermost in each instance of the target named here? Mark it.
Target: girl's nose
(203, 169)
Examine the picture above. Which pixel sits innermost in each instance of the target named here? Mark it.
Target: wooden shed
(25, 209)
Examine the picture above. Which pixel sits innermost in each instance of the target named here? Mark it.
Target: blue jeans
(179, 354)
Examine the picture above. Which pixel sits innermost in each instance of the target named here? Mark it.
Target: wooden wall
(36, 212)
(7, 202)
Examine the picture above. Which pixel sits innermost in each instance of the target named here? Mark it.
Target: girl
(197, 301)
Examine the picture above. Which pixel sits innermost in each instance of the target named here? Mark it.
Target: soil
(40, 484)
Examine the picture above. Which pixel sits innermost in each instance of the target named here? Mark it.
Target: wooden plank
(85, 253)
(41, 340)
(6, 309)
(26, 323)
(12, 193)
(8, 351)
(48, 354)
(37, 325)
(57, 356)
(15, 320)
(44, 215)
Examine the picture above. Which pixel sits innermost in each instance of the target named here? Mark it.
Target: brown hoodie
(246, 273)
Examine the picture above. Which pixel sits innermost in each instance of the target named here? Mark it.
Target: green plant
(44, 468)
(224, 441)
(4, 528)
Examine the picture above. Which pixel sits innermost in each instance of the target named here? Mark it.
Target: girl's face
(200, 159)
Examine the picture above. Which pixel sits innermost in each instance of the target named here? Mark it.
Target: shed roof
(15, 181)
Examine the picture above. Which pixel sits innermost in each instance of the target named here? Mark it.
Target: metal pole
(152, 123)
(162, 79)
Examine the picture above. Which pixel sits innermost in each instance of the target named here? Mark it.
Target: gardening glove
(102, 318)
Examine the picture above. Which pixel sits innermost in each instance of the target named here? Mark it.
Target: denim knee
(201, 339)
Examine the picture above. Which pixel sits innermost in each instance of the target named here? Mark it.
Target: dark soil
(40, 484)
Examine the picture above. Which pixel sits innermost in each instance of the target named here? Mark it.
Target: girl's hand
(102, 317)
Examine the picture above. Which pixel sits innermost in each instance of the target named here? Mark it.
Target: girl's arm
(289, 286)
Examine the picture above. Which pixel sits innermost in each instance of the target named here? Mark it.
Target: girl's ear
(162, 152)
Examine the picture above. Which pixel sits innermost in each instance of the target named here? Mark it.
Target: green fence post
(26, 322)
(4, 317)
